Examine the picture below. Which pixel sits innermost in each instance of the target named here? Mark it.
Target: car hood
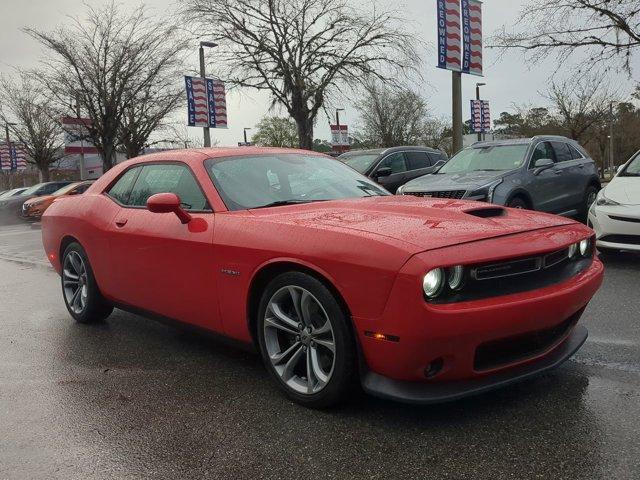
(452, 181)
(624, 190)
(424, 224)
(33, 200)
(13, 201)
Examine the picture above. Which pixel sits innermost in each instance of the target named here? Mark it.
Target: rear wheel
(84, 301)
(305, 340)
(517, 202)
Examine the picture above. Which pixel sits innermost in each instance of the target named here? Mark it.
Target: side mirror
(167, 203)
(542, 164)
(384, 172)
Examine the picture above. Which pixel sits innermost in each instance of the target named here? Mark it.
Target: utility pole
(245, 134)
(457, 111)
(206, 131)
(83, 169)
(478, 85)
(611, 166)
(338, 110)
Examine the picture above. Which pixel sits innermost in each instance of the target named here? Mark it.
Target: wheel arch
(266, 272)
(594, 181)
(523, 194)
(64, 243)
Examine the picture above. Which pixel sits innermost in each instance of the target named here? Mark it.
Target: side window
(543, 150)
(396, 162)
(575, 153)
(562, 151)
(81, 188)
(418, 160)
(120, 190)
(437, 157)
(49, 189)
(168, 178)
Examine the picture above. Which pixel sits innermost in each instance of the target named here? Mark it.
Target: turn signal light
(382, 336)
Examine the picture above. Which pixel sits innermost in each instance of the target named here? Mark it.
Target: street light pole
(478, 85)
(339, 145)
(206, 131)
(456, 108)
(611, 167)
(245, 134)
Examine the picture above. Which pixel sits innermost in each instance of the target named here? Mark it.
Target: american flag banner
(449, 35)
(480, 116)
(472, 37)
(206, 102)
(486, 116)
(13, 157)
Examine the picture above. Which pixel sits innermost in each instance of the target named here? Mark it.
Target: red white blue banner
(13, 157)
(472, 37)
(480, 116)
(206, 102)
(449, 35)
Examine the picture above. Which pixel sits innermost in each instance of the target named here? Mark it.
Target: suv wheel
(590, 195)
(517, 202)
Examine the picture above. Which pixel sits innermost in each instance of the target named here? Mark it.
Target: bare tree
(391, 116)
(302, 51)
(580, 104)
(276, 132)
(107, 62)
(32, 119)
(608, 29)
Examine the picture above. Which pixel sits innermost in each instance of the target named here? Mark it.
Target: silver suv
(547, 173)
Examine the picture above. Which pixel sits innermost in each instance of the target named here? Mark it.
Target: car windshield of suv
(11, 193)
(361, 162)
(284, 179)
(33, 189)
(496, 158)
(633, 169)
(65, 189)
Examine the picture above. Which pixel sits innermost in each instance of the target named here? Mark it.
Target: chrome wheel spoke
(326, 343)
(279, 358)
(288, 370)
(76, 262)
(74, 282)
(306, 302)
(315, 370)
(283, 317)
(273, 322)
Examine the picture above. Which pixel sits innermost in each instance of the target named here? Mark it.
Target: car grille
(505, 351)
(628, 239)
(624, 219)
(519, 266)
(456, 194)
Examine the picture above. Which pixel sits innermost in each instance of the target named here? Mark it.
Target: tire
(296, 342)
(589, 197)
(80, 292)
(517, 202)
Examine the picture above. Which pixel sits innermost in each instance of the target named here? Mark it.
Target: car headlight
(400, 190)
(485, 193)
(573, 249)
(433, 282)
(584, 247)
(601, 199)
(455, 277)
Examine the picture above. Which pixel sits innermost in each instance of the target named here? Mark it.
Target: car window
(395, 161)
(50, 188)
(543, 150)
(81, 188)
(168, 178)
(359, 162)
(122, 188)
(562, 151)
(575, 154)
(632, 169)
(418, 160)
(437, 157)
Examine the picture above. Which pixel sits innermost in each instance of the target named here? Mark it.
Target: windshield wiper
(488, 170)
(282, 203)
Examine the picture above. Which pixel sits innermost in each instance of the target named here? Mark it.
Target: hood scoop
(488, 212)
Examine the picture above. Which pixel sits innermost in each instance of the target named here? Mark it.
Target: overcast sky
(509, 78)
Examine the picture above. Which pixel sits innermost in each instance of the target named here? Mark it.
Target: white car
(615, 215)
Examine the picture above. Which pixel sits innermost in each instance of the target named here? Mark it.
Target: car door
(418, 164)
(545, 187)
(567, 170)
(398, 164)
(581, 174)
(159, 264)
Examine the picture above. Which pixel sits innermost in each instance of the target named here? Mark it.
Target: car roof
(522, 141)
(381, 151)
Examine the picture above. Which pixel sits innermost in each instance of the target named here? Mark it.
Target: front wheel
(79, 289)
(306, 341)
(517, 202)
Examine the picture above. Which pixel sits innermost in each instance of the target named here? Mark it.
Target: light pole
(6, 131)
(478, 85)
(207, 133)
(245, 134)
(339, 142)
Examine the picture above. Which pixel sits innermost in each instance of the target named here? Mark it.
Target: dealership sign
(13, 157)
(460, 36)
(480, 116)
(206, 102)
(340, 137)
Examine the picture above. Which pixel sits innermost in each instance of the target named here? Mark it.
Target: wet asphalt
(133, 398)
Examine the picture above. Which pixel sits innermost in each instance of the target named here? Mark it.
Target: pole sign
(206, 102)
(472, 22)
(449, 35)
(480, 116)
(13, 157)
(340, 137)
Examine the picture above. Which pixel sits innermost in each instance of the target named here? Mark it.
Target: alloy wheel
(74, 282)
(299, 340)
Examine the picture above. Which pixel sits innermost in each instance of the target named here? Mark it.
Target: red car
(330, 277)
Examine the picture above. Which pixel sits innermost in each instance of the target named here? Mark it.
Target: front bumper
(616, 226)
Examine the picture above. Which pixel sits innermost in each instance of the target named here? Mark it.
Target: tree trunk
(44, 174)
(108, 153)
(305, 132)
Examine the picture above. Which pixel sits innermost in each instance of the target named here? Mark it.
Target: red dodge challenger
(330, 277)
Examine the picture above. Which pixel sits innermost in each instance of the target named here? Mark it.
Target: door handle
(121, 222)
(557, 172)
(581, 165)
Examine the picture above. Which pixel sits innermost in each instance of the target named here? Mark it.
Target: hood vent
(489, 212)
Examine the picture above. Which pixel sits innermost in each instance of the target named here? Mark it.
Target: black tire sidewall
(97, 308)
(517, 202)
(343, 376)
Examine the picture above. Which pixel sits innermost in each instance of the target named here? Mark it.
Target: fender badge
(233, 273)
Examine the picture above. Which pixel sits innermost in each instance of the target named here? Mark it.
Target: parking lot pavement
(133, 398)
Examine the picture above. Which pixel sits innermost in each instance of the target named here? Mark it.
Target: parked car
(11, 193)
(546, 173)
(615, 215)
(393, 167)
(34, 208)
(11, 208)
(325, 273)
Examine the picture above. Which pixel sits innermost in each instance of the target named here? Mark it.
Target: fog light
(584, 247)
(433, 282)
(433, 368)
(455, 277)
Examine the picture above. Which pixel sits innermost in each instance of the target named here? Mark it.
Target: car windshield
(65, 189)
(282, 179)
(13, 192)
(633, 168)
(488, 159)
(359, 162)
(33, 189)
